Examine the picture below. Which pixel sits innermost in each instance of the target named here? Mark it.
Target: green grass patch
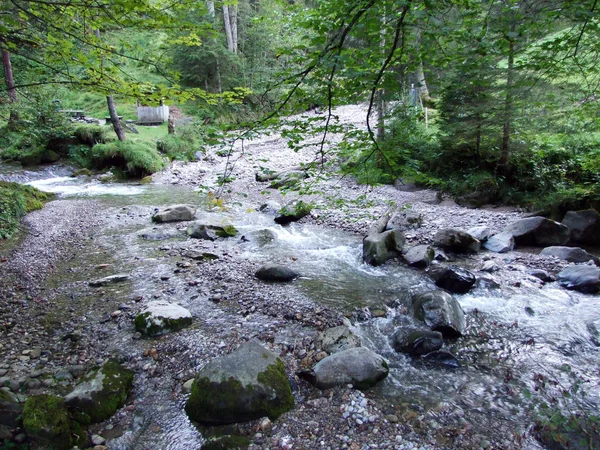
(16, 200)
(134, 159)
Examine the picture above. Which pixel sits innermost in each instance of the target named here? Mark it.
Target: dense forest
(492, 101)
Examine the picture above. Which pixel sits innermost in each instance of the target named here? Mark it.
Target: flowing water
(513, 334)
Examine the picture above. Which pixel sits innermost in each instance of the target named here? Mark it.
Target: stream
(515, 332)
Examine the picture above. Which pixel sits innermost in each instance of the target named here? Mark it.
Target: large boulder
(175, 213)
(162, 317)
(538, 231)
(247, 384)
(275, 272)
(358, 366)
(583, 278)
(415, 341)
(405, 220)
(453, 278)
(419, 256)
(480, 233)
(293, 212)
(101, 392)
(500, 243)
(440, 312)
(337, 339)
(571, 254)
(584, 226)
(456, 241)
(47, 423)
(10, 409)
(379, 248)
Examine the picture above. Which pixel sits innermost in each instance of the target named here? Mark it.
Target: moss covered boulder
(101, 392)
(47, 423)
(247, 384)
(162, 317)
(10, 409)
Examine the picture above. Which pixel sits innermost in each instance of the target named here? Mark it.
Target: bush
(15, 201)
(136, 159)
(90, 135)
(182, 145)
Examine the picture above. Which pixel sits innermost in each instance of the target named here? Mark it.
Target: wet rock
(357, 366)
(293, 212)
(112, 279)
(337, 339)
(538, 231)
(157, 236)
(419, 256)
(440, 312)
(490, 266)
(542, 275)
(584, 226)
(10, 409)
(453, 278)
(275, 272)
(161, 317)
(247, 384)
(583, 278)
(175, 213)
(101, 392)
(442, 358)
(47, 423)
(210, 232)
(405, 220)
(456, 241)
(416, 342)
(500, 243)
(482, 234)
(199, 255)
(570, 254)
(379, 248)
(261, 237)
(271, 207)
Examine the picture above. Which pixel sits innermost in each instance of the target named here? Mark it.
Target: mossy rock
(46, 421)
(161, 317)
(226, 231)
(10, 410)
(228, 442)
(247, 384)
(101, 392)
(293, 212)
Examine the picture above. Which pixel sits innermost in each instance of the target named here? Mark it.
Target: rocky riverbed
(55, 325)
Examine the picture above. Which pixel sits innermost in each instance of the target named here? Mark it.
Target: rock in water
(584, 226)
(419, 256)
(440, 312)
(175, 213)
(47, 423)
(571, 254)
(456, 241)
(337, 339)
(109, 280)
(581, 278)
(101, 392)
(293, 212)
(442, 358)
(538, 231)
(381, 247)
(247, 384)
(500, 243)
(358, 366)
(162, 317)
(275, 272)
(454, 279)
(416, 342)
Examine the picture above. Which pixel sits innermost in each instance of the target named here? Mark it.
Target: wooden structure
(152, 115)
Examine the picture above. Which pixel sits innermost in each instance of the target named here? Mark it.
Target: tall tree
(10, 88)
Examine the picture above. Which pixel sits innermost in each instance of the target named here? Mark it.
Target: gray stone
(379, 248)
(415, 341)
(440, 312)
(358, 366)
(292, 212)
(101, 392)
(442, 358)
(538, 231)
(249, 383)
(584, 226)
(270, 207)
(161, 317)
(187, 386)
(210, 232)
(500, 243)
(583, 278)
(480, 233)
(10, 409)
(337, 339)
(453, 278)
(419, 256)
(175, 213)
(275, 272)
(112, 279)
(456, 241)
(542, 275)
(570, 254)
(405, 220)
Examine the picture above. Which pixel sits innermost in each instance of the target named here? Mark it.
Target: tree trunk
(233, 13)
(114, 118)
(419, 72)
(210, 5)
(10, 88)
(228, 33)
(380, 116)
(508, 109)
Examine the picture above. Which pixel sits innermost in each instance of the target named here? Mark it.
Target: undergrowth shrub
(15, 201)
(135, 159)
(89, 135)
